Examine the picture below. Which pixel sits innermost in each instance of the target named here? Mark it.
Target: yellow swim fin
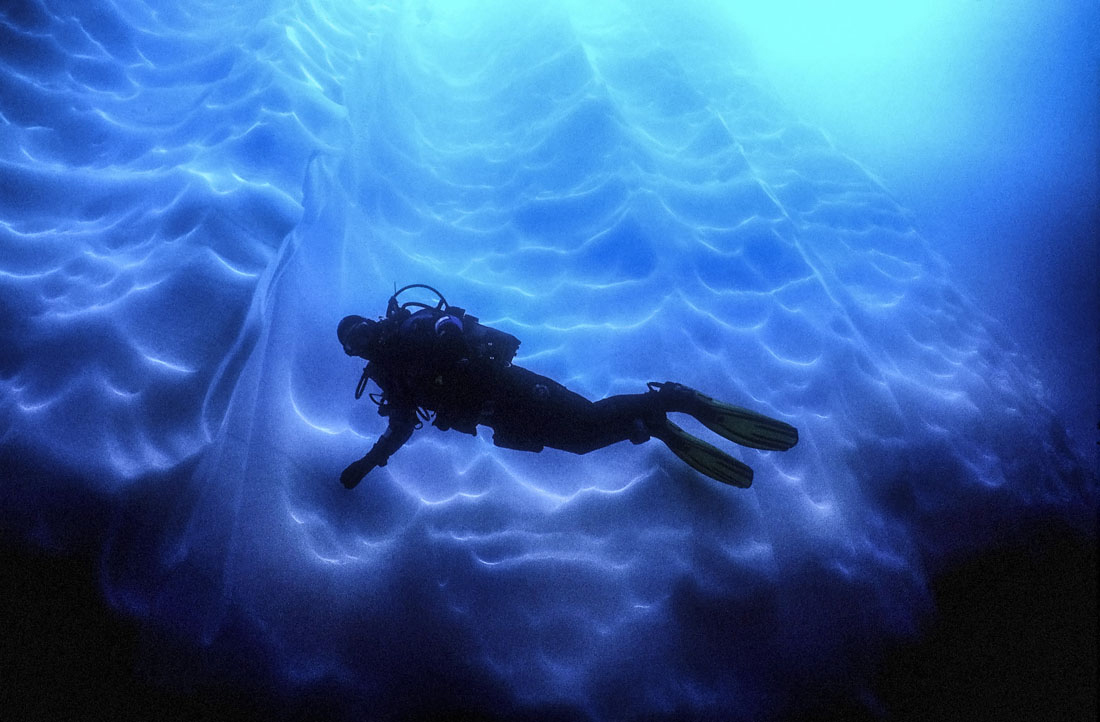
(739, 425)
(703, 457)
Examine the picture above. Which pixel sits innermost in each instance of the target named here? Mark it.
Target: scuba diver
(439, 363)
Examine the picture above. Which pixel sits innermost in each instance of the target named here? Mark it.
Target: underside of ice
(195, 193)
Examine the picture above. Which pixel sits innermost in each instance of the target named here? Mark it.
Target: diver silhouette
(439, 363)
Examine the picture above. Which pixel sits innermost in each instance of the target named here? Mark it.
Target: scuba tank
(483, 343)
(481, 350)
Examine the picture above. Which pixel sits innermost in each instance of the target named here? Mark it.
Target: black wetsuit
(424, 361)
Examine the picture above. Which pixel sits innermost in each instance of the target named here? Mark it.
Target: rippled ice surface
(193, 195)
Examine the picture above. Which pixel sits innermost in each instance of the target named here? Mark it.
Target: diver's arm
(400, 428)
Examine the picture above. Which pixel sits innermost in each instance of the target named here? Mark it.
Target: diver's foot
(739, 425)
(676, 397)
(639, 432)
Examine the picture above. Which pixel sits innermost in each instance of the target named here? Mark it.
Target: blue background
(877, 225)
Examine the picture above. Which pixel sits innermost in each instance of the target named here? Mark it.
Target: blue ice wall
(982, 119)
(195, 192)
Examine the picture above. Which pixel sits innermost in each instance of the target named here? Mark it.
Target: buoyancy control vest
(482, 349)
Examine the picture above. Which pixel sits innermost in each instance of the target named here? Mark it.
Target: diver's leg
(530, 411)
(636, 417)
(534, 411)
(593, 425)
(649, 410)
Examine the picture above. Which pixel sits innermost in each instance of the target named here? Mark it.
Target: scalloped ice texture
(614, 187)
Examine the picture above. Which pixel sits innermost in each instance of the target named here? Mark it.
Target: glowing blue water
(193, 195)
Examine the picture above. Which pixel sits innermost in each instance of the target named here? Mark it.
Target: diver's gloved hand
(356, 470)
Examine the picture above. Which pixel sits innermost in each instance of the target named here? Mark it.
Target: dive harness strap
(362, 385)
